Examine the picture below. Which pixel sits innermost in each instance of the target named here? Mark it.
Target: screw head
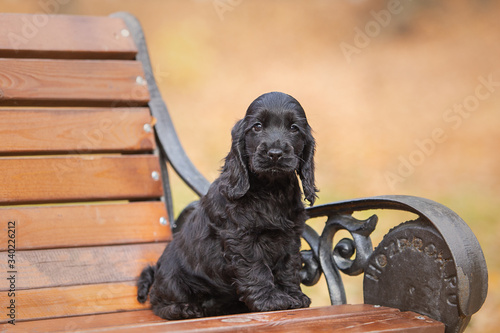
(140, 80)
(125, 33)
(155, 175)
(147, 128)
(163, 221)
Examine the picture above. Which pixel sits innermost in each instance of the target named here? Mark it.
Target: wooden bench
(85, 203)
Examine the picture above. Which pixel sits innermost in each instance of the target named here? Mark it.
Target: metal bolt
(140, 80)
(376, 306)
(155, 175)
(163, 221)
(420, 318)
(147, 128)
(125, 33)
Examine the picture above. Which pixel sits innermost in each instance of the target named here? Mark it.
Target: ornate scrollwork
(311, 272)
(332, 259)
(432, 265)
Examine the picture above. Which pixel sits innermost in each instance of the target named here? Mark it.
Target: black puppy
(238, 250)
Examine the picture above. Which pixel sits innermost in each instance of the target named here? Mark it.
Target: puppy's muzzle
(274, 158)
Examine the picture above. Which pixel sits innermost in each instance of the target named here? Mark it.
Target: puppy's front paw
(272, 301)
(176, 311)
(300, 300)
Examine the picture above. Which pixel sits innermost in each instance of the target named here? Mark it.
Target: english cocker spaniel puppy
(238, 249)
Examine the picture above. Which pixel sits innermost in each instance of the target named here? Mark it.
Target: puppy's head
(274, 139)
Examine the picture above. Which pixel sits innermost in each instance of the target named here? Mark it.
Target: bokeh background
(403, 96)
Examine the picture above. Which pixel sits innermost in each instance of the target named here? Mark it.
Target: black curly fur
(239, 248)
(144, 283)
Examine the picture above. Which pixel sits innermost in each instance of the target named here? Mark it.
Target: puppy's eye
(257, 127)
(294, 128)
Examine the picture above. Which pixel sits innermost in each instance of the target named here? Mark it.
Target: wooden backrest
(81, 192)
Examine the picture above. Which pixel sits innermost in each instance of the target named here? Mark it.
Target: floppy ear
(306, 169)
(234, 176)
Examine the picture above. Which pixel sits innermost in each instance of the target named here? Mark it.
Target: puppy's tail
(144, 283)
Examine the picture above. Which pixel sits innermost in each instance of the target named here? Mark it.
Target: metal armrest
(433, 265)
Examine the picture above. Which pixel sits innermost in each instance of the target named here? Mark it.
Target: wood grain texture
(64, 36)
(74, 301)
(339, 318)
(79, 266)
(78, 130)
(85, 225)
(87, 323)
(72, 82)
(78, 178)
(344, 318)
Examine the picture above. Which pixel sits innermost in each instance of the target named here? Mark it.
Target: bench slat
(89, 322)
(303, 320)
(325, 319)
(85, 225)
(64, 36)
(339, 318)
(78, 266)
(73, 301)
(72, 82)
(79, 178)
(25, 131)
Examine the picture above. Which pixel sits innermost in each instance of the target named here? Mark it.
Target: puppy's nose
(275, 154)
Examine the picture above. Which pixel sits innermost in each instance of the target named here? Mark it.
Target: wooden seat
(84, 194)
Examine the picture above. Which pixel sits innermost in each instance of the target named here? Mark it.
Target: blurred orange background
(401, 95)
